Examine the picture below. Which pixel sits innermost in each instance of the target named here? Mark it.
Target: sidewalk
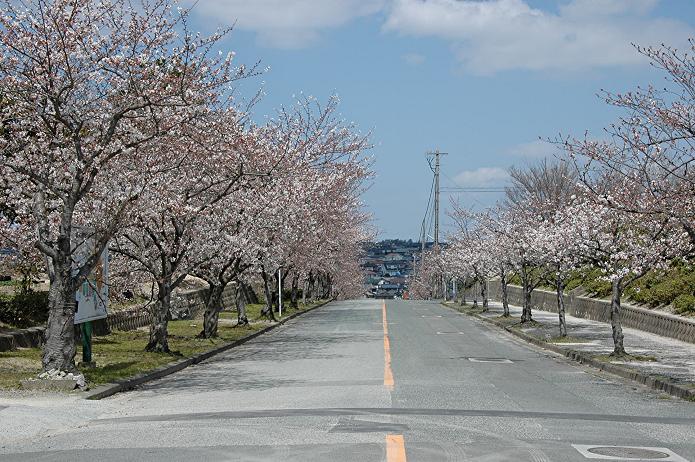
(664, 359)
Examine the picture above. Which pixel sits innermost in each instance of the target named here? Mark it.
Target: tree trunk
(305, 289)
(616, 326)
(159, 341)
(295, 290)
(320, 287)
(312, 283)
(249, 294)
(281, 290)
(505, 293)
(329, 287)
(267, 311)
(59, 349)
(483, 292)
(240, 301)
(213, 306)
(560, 289)
(463, 292)
(275, 292)
(526, 315)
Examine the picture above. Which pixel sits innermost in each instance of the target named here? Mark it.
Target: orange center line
(395, 448)
(388, 374)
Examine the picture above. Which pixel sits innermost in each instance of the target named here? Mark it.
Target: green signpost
(86, 328)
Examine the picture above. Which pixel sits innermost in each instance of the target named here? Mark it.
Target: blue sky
(481, 80)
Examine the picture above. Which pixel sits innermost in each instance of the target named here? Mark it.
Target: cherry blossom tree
(468, 255)
(299, 213)
(209, 165)
(225, 246)
(500, 249)
(624, 245)
(87, 88)
(21, 255)
(533, 198)
(561, 244)
(429, 269)
(652, 146)
(315, 194)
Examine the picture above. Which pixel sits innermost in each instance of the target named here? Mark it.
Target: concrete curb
(109, 389)
(654, 382)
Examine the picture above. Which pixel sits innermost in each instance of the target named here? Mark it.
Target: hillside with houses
(388, 267)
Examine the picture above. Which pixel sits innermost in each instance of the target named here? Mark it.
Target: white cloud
(587, 8)
(482, 177)
(287, 23)
(496, 35)
(487, 36)
(537, 149)
(414, 59)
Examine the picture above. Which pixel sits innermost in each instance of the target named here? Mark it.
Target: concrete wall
(664, 324)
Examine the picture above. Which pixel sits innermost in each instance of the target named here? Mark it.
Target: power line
(475, 189)
(423, 230)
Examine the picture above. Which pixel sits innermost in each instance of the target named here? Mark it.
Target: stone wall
(664, 324)
(184, 305)
(11, 339)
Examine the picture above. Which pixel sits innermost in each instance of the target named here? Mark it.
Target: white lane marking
(491, 360)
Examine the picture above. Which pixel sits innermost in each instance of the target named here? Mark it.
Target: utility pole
(437, 167)
(280, 291)
(437, 170)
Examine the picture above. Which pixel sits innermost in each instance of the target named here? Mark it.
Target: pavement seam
(656, 383)
(110, 389)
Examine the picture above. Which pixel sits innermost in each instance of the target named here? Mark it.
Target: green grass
(529, 324)
(466, 308)
(253, 311)
(18, 365)
(628, 358)
(120, 355)
(507, 321)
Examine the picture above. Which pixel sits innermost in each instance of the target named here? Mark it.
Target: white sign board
(92, 296)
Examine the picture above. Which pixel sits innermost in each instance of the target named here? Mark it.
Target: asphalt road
(357, 381)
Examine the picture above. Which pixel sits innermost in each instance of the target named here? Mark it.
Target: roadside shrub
(684, 304)
(593, 281)
(661, 293)
(663, 288)
(24, 309)
(673, 286)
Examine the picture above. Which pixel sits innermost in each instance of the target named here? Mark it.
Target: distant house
(393, 257)
(386, 291)
(398, 281)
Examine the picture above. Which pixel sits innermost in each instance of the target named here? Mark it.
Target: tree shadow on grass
(110, 372)
(103, 341)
